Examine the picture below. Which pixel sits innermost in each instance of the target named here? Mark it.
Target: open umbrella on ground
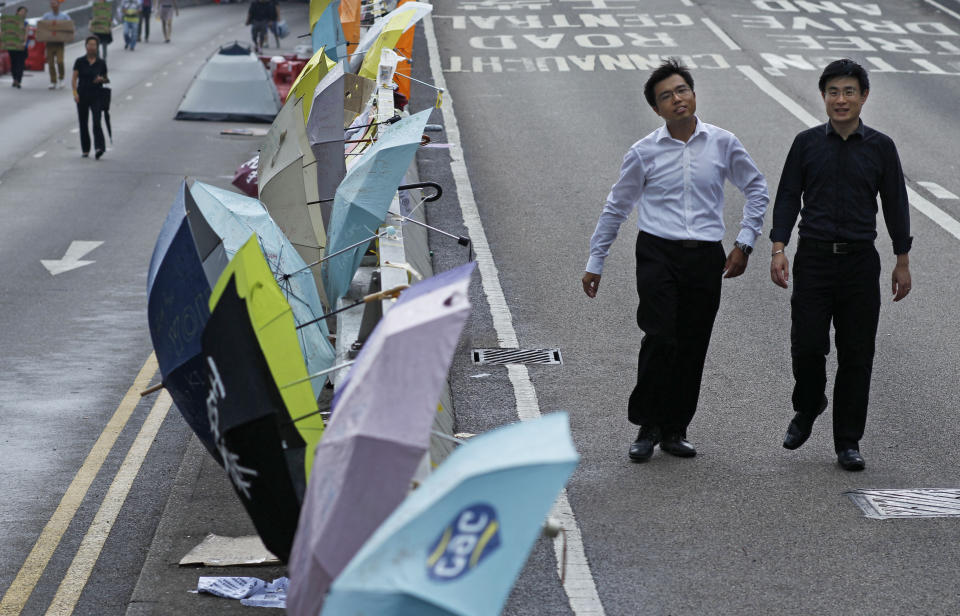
(306, 82)
(378, 433)
(275, 326)
(350, 15)
(234, 217)
(325, 135)
(394, 23)
(326, 31)
(187, 261)
(287, 180)
(247, 420)
(356, 96)
(363, 199)
(456, 545)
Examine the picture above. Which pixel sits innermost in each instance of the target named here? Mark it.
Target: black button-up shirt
(86, 72)
(839, 182)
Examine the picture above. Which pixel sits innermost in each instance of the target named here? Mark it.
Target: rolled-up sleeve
(745, 175)
(623, 198)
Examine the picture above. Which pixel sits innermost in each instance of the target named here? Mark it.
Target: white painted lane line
(74, 130)
(77, 575)
(686, 2)
(72, 258)
(41, 153)
(729, 42)
(938, 191)
(949, 12)
(22, 586)
(579, 583)
(129, 97)
(944, 220)
(148, 85)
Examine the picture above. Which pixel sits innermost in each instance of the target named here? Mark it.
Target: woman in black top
(89, 75)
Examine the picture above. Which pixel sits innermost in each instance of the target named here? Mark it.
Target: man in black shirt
(838, 169)
(89, 75)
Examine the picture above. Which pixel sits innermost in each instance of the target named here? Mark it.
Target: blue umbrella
(363, 199)
(458, 542)
(187, 260)
(327, 31)
(234, 217)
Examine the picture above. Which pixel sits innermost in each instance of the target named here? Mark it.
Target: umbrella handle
(151, 390)
(432, 185)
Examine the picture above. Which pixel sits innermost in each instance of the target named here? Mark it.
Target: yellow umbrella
(306, 82)
(387, 40)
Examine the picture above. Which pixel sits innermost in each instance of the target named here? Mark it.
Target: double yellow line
(73, 582)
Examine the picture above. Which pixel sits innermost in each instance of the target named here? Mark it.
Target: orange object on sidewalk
(404, 47)
(36, 52)
(350, 14)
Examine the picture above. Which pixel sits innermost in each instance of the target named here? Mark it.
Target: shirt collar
(663, 133)
(831, 131)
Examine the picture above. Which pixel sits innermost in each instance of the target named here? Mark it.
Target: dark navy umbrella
(187, 260)
(261, 449)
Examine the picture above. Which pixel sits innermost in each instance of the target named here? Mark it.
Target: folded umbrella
(187, 261)
(234, 217)
(276, 331)
(363, 199)
(378, 433)
(457, 543)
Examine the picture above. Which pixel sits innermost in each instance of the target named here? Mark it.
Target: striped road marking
(578, 582)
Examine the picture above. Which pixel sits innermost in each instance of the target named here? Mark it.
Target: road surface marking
(944, 220)
(953, 14)
(72, 258)
(129, 97)
(729, 42)
(77, 575)
(22, 586)
(148, 84)
(74, 130)
(41, 153)
(578, 583)
(938, 191)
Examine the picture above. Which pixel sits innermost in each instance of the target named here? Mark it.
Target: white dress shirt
(677, 189)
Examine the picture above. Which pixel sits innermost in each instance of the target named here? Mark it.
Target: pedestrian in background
(165, 15)
(129, 13)
(674, 178)
(102, 25)
(55, 50)
(259, 16)
(143, 28)
(89, 75)
(18, 57)
(831, 178)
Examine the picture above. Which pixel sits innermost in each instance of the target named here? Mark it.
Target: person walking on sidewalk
(55, 50)
(165, 15)
(143, 27)
(831, 178)
(18, 57)
(674, 177)
(129, 13)
(89, 75)
(259, 16)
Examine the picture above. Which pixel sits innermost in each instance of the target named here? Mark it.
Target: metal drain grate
(922, 503)
(517, 356)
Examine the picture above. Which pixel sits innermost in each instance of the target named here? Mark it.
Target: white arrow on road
(71, 259)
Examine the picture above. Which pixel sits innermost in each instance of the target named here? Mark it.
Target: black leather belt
(681, 243)
(836, 248)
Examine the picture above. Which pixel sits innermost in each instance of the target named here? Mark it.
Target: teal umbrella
(363, 198)
(458, 542)
(234, 217)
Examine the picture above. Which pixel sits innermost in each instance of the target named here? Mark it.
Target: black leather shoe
(800, 427)
(676, 445)
(642, 448)
(850, 460)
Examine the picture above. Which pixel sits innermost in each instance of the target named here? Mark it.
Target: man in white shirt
(674, 177)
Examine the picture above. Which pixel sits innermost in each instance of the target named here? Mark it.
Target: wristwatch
(746, 248)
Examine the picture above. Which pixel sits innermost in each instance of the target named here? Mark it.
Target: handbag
(282, 28)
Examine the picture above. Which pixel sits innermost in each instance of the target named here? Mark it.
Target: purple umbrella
(379, 432)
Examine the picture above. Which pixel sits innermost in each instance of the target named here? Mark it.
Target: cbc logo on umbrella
(470, 537)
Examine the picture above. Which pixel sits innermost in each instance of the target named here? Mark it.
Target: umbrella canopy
(351, 13)
(246, 418)
(245, 177)
(234, 217)
(187, 260)
(306, 82)
(378, 433)
(275, 327)
(397, 22)
(287, 180)
(233, 86)
(363, 199)
(325, 135)
(356, 96)
(326, 31)
(458, 542)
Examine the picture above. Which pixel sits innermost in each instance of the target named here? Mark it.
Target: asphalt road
(548, 97)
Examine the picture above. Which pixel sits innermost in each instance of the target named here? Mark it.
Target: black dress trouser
(844, 289)
(678, 284)
(90, 105)
(18, 59)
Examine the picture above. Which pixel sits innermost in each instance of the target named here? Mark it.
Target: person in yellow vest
(129, 14)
